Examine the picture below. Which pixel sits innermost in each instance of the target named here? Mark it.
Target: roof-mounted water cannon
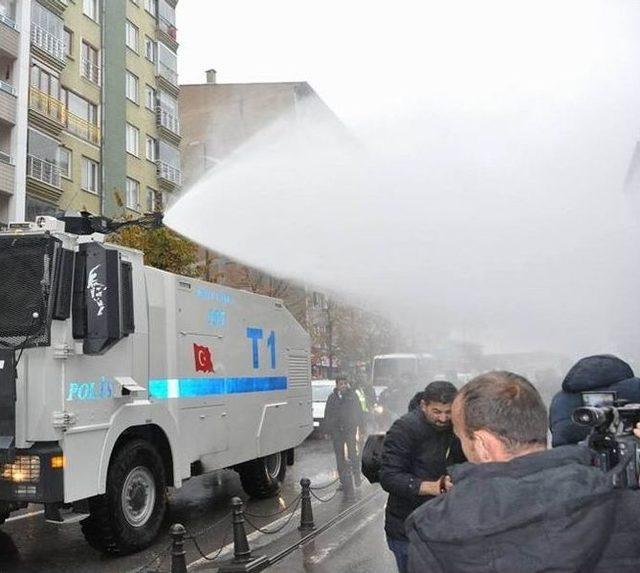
(84, 223)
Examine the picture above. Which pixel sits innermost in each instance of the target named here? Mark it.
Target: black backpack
(372, 457)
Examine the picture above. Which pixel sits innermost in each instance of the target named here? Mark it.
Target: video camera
(611, 438)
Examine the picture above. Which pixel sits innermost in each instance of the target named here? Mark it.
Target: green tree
(163, 249)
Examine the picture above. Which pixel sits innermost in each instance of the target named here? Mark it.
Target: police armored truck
(118, 380)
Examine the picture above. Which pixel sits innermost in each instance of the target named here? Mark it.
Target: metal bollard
(178, 559)
(242, 559)
(241, 551)
(306, 511)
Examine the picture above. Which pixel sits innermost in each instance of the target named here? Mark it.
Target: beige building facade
(97, 80)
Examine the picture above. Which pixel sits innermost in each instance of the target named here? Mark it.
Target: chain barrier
(326, 486)
(162, 555)
(281, 527)
(279, 512)
(203, 554)
(324, 499)
(209, 527)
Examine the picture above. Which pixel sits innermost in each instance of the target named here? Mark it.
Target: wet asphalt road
(29, 544)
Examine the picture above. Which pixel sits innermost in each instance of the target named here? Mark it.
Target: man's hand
(636, 431)
(433, 487)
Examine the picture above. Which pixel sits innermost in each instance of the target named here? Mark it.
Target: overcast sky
(373, 58)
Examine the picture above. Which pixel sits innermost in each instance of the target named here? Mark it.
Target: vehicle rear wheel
(261, 478)
(129, 515)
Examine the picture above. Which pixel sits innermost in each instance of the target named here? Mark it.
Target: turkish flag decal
(202, 356)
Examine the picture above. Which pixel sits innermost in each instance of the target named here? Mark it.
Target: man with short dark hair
(342, 418)
(519, 507)
(417, 450)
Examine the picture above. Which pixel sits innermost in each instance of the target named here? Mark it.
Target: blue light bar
(163, 389)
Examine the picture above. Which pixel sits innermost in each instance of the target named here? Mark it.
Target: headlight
(23, 469)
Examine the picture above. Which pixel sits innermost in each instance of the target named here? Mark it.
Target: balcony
(49, 47)
(168, 33)
(91, 71)
(7, 174)
(43, 179)
(8, 103)
(47, 112)
(10, 22)
(9, 37)
(169, 125)
(83, 128)
(167, 78)
(56, 6)
(170, 177)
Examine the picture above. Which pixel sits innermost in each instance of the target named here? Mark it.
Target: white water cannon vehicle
(118, 380)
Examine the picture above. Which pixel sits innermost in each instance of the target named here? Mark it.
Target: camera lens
(591, 416)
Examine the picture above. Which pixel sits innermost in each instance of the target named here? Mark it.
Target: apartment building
(97, 80)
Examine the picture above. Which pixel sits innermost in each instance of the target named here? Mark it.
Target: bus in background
(396, 378)
(388, 369)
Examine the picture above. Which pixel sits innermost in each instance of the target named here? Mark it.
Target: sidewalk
(354, 544)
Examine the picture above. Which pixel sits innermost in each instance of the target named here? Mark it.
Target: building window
(149, 49)
(167, 64)
(68, 43)
(43, 158)
(132, 36)
(133, 140)
(8, 10)
(167, 19)
(47, 31)
(82, 117)
(151, 6)
(65, 158)
(90, 64)
(152, 147)
(150, 98)
(132, 88)
(169, 163)
(133, 194)
(91, 8)
(153, 201)
(168, 113)
(47, 84)
(90, 175)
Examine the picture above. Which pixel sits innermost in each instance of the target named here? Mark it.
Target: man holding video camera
(519, 507)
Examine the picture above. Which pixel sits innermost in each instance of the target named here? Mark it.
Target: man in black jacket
(417, 450)
(342, 417)
(518, 507)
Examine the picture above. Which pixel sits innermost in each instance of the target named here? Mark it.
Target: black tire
(262, 478)
(136, 478)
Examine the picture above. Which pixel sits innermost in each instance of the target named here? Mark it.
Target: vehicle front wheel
(128, 517)
(262, 478)
(4, 513)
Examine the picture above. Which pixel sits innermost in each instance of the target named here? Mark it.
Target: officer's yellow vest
(363, 399)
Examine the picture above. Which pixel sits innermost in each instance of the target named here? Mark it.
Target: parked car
(320, 392)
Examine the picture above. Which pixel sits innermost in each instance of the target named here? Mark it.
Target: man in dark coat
(518, 507)
(600, 373)
(342, 417)
(417, 450)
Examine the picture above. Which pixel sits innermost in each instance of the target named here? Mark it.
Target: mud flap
(7, 405)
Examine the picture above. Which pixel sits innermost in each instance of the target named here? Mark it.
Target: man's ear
(489, 448)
